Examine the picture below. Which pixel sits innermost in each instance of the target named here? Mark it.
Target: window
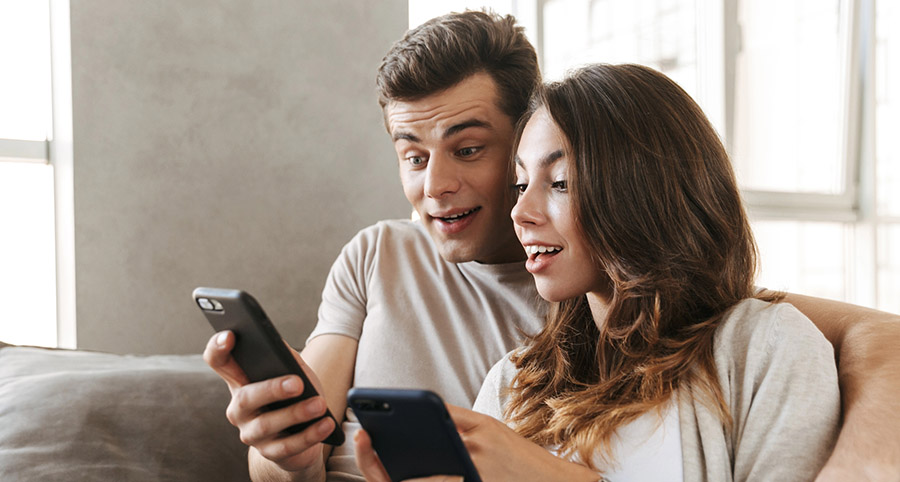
(887, 153)
(789, 96)
(806, 96)
(27, 245)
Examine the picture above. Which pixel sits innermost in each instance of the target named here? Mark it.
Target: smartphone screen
(412, 433)
(258, 349)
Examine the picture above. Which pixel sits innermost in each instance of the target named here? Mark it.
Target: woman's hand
(371, 467)
(497, 451)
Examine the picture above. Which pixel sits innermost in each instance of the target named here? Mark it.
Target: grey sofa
(76, 415)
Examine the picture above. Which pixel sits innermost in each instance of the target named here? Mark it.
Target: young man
(434, 303)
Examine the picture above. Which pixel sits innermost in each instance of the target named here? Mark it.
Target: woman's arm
(496, 450)
(867, 348)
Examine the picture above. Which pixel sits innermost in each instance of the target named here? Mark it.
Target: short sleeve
(343, 307)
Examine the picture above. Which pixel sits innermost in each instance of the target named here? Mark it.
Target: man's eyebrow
(406, 137)
(451, 131)
(457, 128)
(545, 161)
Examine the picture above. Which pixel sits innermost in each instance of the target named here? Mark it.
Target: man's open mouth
(457, 217)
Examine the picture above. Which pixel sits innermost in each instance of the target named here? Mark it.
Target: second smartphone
(412, 432)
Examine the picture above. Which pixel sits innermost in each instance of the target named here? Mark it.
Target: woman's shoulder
(760, 330)
(778, 376)
(495, 390)
(503, 372)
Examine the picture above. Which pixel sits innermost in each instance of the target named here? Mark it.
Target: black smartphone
(258, 348)
(412, 433)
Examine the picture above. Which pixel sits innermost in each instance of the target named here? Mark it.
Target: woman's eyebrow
(545, 161)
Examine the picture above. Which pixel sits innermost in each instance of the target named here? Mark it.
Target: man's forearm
(865, 343)
(868, 447)
(264, 470)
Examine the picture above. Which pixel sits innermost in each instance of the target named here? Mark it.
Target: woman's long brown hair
(656, 199)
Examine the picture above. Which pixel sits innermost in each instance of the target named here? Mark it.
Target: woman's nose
(527, 209)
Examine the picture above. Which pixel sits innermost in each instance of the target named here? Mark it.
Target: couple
(658, 361)
(435, 303)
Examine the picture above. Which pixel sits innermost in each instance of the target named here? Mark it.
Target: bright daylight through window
(27, 248)
(806, 96)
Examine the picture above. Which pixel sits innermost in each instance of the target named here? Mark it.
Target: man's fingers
(271, 424)
(248, 400)
(367, 460)
(218, 356)
(282, 450)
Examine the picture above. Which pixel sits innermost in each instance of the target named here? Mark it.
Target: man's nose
(441, 177)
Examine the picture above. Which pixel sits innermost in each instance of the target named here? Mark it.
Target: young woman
(659, 360)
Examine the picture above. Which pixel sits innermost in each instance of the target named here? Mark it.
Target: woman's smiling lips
(454, 222)
(540, 256)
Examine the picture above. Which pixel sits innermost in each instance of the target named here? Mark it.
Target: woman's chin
(553, 294)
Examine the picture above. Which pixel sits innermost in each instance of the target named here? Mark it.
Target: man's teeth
(541, 249)
(457, 216)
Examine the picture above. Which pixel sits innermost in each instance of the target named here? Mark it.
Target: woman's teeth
(541, 249)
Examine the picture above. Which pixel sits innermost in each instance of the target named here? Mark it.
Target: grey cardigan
(779, 379)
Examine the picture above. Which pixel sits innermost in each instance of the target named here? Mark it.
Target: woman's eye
(561, 186)
(520, 188)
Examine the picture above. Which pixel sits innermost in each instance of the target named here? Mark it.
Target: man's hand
(262, 430)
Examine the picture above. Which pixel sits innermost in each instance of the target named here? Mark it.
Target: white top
(647, 449)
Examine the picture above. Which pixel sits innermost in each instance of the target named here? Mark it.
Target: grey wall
(222, 143)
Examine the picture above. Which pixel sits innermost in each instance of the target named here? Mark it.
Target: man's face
(454, 152)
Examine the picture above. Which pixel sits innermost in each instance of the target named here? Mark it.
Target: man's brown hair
(448, 49)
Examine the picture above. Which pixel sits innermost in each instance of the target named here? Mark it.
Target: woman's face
(544, 215)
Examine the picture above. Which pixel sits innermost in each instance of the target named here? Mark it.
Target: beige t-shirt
(421, 322)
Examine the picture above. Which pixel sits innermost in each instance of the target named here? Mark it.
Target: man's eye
(416, 161)
(561, 186)
(467, 151)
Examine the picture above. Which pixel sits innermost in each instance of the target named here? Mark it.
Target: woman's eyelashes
(558, 186)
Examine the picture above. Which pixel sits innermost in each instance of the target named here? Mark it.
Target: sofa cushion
(77, 415)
